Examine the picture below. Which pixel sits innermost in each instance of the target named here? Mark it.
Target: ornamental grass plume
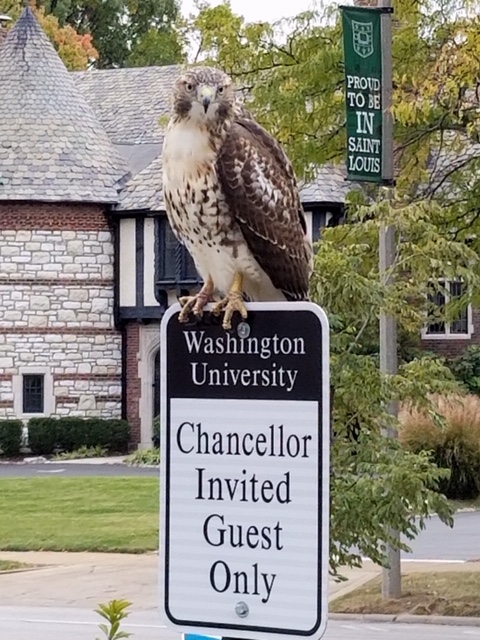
(450, 430)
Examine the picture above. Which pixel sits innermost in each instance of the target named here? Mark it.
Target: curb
(407, 618)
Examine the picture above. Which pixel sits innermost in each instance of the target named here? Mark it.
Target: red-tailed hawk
(231, 197)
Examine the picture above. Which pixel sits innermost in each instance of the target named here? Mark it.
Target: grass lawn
(79, 514)
(453, 593)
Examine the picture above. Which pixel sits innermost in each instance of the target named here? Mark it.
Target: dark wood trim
(318, 221)
(116, 273)
(139, 260)
(142, 313)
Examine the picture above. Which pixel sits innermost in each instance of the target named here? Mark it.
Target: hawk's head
(205, 94)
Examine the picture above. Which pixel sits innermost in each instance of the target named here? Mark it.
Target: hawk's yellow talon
(232, 302)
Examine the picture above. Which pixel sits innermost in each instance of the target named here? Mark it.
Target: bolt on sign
(362, 36)
(244, 464)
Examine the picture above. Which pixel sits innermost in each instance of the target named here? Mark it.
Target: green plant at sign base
(114, 612)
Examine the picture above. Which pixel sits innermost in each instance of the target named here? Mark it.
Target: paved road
(439, 542)
(72, 470)
(18, 623)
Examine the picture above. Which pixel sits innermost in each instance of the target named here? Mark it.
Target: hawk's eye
(220, 90)
(189, 87)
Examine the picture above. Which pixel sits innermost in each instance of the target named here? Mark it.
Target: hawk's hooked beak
(206, 96)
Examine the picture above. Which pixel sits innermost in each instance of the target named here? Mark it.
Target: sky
(262, 10)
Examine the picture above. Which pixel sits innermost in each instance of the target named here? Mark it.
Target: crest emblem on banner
(362, 38)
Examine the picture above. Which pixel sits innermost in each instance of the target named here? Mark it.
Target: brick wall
(32, 216)
(133, 382)
(454, 347)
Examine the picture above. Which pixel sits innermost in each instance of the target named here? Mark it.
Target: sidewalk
(84, 580)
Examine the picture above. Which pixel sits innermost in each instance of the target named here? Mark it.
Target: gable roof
(52, 146)
(329, 185)
(129, 102)
(144, 192)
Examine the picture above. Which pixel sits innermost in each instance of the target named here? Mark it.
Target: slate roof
(52, 146)
(130, 102)
(328, 186)
(144, 192)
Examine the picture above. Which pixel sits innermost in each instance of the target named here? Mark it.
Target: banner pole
(391, 584)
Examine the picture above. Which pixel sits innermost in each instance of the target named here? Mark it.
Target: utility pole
(392, 577)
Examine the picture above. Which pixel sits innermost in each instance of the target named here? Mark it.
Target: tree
(292, 72)
(76, 50)
(125, 32)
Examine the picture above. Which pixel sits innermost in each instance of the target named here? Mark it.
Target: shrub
(42, 435)
(45, 435)
(10, 437)
(466, 369)
(119, 435)
(453, 439)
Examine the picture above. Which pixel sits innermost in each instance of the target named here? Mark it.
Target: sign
(245, 449)
(362, 35)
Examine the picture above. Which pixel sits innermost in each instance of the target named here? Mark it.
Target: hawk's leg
(197, 302)
(232, 302)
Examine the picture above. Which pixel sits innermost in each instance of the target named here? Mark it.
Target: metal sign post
(245, 470)
(369, 96)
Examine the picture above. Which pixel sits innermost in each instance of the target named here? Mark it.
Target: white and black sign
(245, 449)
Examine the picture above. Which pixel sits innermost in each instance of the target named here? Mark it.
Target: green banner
(362, 39)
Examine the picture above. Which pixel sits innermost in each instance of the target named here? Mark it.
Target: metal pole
(392, 577)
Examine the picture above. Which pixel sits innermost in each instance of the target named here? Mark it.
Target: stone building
(88, 263)
(60, 352)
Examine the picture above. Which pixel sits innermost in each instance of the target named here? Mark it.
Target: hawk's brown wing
(261, 191)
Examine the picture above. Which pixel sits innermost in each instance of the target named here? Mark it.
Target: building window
(174, 266)
(33, 393)
(458, 326)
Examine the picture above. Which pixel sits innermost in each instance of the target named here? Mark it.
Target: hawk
(232, 199)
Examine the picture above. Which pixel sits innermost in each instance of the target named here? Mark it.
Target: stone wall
(56, 308)
(50, 254)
